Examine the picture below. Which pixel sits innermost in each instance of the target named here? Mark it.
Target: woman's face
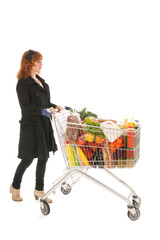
(37, 66)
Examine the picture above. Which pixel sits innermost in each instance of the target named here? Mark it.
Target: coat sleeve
(52, 105)
(24, 99)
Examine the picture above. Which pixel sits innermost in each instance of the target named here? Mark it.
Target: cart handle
(67, 108)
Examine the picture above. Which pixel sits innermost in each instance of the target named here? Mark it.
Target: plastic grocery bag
(111, 130)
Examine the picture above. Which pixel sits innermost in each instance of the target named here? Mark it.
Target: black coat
(36, 133)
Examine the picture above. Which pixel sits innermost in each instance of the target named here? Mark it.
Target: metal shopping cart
(90, 144)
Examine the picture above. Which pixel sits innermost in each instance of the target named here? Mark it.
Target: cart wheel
(134, 217)
(45, 208)
(66, 189)
(137, 204)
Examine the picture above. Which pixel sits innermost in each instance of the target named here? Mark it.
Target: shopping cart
(90, 144)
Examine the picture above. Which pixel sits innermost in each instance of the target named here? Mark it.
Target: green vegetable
(90, 114)
(75, 156)
(93, 128)
(84, 114)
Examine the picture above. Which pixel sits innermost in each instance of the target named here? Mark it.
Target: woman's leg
(40, 172)
(24, 164)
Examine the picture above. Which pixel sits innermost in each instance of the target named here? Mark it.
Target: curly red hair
(26, 64)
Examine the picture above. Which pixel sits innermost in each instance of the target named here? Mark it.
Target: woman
(36, 133)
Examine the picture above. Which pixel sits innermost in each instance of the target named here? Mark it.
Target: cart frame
(132, 200)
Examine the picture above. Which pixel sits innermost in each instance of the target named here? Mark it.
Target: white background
(103, 55)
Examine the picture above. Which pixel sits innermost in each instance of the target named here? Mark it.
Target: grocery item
(130, 153)
(125, 124)
(112, 147)
(108, 158)
(118, 143)
(75, 156)
(101, 120)
(120, 125)
(72, 130)
(136, 124)
(130, 158)
(98, 159)
(93, 119)
(130, 137)
(111, 130)
(121, 163)
(121, 158)
(81, 140)
(82, 156)
(79, 157)
(130, 162)
(89, 137)
(92, 145)
(132, 123)
(99, 140)
(84, 113)
(93, 127)
(88, 152)
(120, 153)
(70, 155)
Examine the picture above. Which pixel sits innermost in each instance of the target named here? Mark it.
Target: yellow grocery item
(130, 163)
(121, 163)
(83, 157)
(132, 123)
(89, 137)
(125, 125)
(70, 155)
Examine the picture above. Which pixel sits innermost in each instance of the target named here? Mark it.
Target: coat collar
(30, 81)
(41, 79)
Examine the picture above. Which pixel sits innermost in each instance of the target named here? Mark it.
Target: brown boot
(40, 194)
(15, 194)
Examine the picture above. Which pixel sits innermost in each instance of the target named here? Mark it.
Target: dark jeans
(40, 172)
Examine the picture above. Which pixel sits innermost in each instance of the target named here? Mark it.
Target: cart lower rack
(95, 144)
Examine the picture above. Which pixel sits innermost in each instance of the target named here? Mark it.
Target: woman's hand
(53, 111)
(59, 108)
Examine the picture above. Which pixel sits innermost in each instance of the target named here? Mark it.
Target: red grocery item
(81, 140)
(88, 152)
(129, 153)
(130, 137)
(93, 146)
